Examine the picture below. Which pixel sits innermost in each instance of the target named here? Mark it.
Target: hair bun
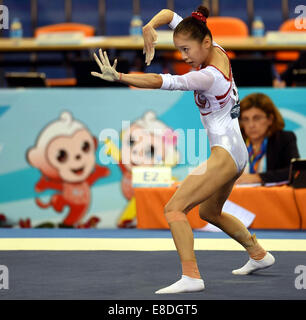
(204, 11)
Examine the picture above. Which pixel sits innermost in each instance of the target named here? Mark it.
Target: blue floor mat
(138, 233)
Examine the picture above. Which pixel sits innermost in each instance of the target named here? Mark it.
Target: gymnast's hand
(150, 40)
(108, 72)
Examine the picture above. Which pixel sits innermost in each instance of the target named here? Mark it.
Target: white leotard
(215, 95)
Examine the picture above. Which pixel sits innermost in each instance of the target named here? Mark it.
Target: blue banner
(66, 154)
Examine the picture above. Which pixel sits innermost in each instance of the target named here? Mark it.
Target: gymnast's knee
(174, 213)
(175, 216)
(172, 206)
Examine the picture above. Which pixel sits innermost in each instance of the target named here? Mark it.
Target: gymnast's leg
(208, 185)
(201, 184)
(211, 211)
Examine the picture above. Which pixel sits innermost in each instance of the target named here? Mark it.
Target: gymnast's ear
(207, 42)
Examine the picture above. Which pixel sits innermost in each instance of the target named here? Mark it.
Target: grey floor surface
(134, 275)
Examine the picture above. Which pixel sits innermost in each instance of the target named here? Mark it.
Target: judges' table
(132, 43)
(279, 207)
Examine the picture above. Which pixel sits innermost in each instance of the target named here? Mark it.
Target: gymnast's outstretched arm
(194, 80)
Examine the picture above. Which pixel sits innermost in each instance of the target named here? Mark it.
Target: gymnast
(216, 97)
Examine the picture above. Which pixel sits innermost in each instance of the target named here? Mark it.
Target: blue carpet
(137, 233)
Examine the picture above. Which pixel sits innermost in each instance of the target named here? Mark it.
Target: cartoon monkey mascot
(146, 142)
(65, 155)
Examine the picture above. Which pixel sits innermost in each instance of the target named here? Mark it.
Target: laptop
(25, 79)
(297, 173)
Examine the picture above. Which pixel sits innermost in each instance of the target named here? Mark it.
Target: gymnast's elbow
(157, 81)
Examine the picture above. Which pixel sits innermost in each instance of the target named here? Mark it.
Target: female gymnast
(210, 184)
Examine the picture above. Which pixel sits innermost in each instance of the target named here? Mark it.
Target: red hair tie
(199, 16)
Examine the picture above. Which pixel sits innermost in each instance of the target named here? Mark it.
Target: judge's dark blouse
(282, 147)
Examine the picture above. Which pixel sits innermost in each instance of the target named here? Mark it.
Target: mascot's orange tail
(41, 204)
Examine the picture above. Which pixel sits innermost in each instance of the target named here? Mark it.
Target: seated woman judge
(270, 147)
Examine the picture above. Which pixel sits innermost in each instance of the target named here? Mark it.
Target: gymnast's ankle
(256, 251)
(190, 269)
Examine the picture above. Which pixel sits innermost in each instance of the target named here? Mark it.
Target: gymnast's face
(255, 123)
(194, 52)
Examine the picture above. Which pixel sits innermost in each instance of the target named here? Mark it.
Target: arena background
(25, 112)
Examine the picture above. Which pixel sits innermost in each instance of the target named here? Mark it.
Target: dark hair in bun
(195, 25)
(204, 11)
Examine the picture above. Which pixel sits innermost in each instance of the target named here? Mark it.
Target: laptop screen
(297, 173)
